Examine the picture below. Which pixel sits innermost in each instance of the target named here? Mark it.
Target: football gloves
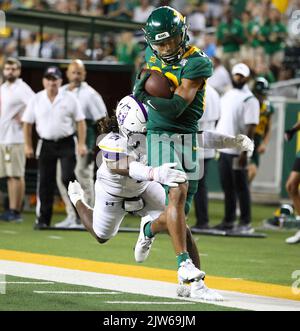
(165, 174)
(75, 192)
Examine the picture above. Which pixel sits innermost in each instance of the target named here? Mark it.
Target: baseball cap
(241, 69)
(53, 72)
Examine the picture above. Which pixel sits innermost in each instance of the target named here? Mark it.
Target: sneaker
(187, 272)
(143, 244)
(200, 291)
(224, 226)
(11, 216)
(244, 229)
(200, 227)
(294, 239)
(77, 226)
(68, 222)
(40, 226)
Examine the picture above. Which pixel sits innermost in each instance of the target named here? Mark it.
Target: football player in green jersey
(262, 133)
(173, 123)
(293, 182)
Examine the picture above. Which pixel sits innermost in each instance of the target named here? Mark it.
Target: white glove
(164, 174)
(215, 140)
(244, 143)
(167, 175)
(75, 192)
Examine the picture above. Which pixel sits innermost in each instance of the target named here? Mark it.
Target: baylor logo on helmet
(161, 36)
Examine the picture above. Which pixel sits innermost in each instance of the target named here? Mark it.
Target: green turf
(265, 260)
(21, 297)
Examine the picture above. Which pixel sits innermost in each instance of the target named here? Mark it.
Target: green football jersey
(194, 64)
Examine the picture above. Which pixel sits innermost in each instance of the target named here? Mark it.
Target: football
(158, 85)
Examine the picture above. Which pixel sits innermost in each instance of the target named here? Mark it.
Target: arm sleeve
(97, 106)
(171, 108)
(27, 94)
(200, 66)
(78, 113)
(251, 111)
(29, 115)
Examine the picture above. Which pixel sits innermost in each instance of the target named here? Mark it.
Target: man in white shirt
(239, 115)
(54, 113)
(207, 123)
(15, 95)
(94, 109)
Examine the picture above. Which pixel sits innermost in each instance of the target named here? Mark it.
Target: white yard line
(30, 283)
(139, 286)
(151, 302)
(9, 232)
(75, 292)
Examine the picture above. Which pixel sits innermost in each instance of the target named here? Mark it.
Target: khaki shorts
(12, 160)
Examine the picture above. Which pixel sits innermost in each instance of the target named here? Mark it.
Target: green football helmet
(166, 34)
(261, 86)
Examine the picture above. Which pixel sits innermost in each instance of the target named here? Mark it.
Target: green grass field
(38, 297)
(267, 260)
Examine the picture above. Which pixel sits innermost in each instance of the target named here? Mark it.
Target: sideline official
(94, 109)
(54, 112)
(239, 115)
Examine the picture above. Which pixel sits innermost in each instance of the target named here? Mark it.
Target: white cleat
(183, 291)
(200, 291)
(75, 192)
(294, 239)
(143, 244)
(187, 272)
(244, 143)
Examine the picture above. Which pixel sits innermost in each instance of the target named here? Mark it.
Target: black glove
(288, 135)
(138, 90)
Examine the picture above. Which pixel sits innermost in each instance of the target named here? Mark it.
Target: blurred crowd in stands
(229, 31)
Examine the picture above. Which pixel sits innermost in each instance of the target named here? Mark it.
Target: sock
(182, 257)
(147, 230)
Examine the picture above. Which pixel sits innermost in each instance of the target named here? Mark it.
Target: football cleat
(183, 291)
(200, 291)
(187, 272)
(143, 245)
(294, 239)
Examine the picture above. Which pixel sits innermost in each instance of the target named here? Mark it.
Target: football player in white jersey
(126, 184)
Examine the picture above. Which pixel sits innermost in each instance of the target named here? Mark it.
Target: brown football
(158, 85)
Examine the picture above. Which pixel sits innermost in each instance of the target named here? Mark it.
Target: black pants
(201, 199)
(51, 151)
(235, 185)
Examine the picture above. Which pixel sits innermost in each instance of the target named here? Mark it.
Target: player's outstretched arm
(165, 174)
(215, 140)
(288, 135)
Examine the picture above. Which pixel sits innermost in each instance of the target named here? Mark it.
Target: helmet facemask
(166, 34)
(132, 118)
(169, 50)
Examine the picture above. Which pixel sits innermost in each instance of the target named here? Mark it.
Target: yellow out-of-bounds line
(221, 283)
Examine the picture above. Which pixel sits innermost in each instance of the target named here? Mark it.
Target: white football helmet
(131, 115)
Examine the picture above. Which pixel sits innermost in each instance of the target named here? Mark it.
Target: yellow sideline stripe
(221, 283)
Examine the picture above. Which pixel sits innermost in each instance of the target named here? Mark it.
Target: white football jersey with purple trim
(114, 148)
